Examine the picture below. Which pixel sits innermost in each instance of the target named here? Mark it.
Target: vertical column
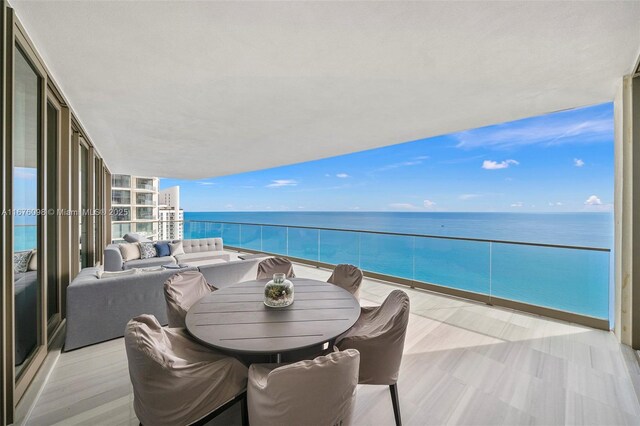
(627, 211)
(6, 270)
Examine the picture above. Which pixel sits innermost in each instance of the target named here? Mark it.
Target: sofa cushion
(130, 251)
(146, 263)
(21, 261)
(199, 245)
(147, 250)
(176, 248)
(163, 249)
(196, 257)
(132, 237)
(109, 274)
(33, 261)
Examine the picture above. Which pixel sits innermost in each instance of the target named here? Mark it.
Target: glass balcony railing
(569, 279)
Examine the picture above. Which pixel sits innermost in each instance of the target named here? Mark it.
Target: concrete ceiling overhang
(199, 89)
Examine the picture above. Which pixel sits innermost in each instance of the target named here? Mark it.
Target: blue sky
(560, 162)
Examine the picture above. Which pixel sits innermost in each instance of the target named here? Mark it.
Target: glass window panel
(565, 279)
(338, 247)
(121, 181)
(457, 264)
(144, 199)
(25, 156)
(144, 213)
(274, 239)
(303, 243)
(387, 254)
(230, 234)
(118, 230)
(52, 222)
(120, 196)
(250, 235)
(121, 214)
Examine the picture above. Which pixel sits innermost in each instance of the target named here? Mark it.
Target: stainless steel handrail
(442, 237)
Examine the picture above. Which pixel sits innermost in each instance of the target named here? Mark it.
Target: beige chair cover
(275, 265)
(181, 291)
(348, 277)
(314, 392)
(175, 380)
(379, 337)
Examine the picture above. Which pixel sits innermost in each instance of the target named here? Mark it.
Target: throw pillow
(33, 261)
(110, 274)
(176, 248)
(130, 251)
(21, 261)
(163, 249)
(147, 250)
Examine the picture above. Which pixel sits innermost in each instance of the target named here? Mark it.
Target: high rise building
(170, 214)
(134, 201)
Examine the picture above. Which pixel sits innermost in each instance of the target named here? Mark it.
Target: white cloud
(412, 162)
(342, 175)
(282, 182)
(578, 162)
(354, 208)
(207, 183)
(551, 204)
(517, 204)
(465, 197)
(544, 130)
(403, 206)
(429, 204)
(494, 165)
(593, 201)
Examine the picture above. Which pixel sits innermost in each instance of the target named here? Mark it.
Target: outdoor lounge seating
(181, 291)
(275, 265)
(379, 336)
(193, 250)
(313, 392)
(98, 308)
(175, 380)
(348, 277)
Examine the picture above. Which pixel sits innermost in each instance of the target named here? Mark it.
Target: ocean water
(568, 279)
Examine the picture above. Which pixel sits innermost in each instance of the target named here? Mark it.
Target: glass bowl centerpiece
(278, 292)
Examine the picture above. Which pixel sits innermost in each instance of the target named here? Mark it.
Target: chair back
(379, 335)
(181, 291)
(348, 277)
(175, 380)
(275, 265)
(313, 392)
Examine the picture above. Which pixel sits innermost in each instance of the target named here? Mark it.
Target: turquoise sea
(573, 280)
(569, 279)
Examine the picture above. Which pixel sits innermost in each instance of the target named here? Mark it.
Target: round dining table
(235, 318)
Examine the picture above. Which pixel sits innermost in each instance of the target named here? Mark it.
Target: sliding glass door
(27, 204)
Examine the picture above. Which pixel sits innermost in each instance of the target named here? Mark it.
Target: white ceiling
(198, 89)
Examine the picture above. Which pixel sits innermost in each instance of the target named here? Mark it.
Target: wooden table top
(235, 318)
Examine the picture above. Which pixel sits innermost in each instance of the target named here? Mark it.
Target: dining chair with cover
(379, 335)
(348, 277)
(321, 391)
(175, 380)
(181, 291)
(275, 265)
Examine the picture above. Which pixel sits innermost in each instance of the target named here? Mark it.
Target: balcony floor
(464, 363)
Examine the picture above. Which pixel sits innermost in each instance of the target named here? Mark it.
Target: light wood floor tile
(465, 363)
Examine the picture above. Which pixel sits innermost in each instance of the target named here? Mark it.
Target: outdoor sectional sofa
(195, 250)
(98, 309)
